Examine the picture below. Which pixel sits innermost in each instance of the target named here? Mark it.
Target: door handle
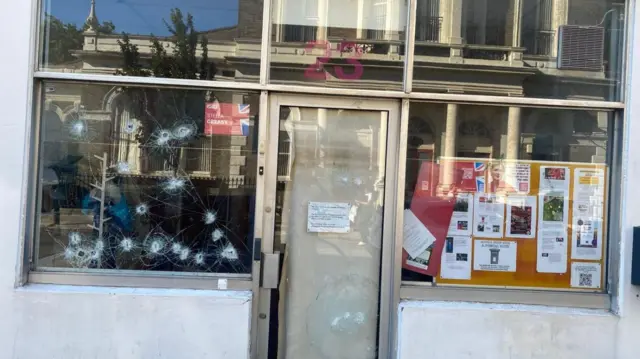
(270, 270)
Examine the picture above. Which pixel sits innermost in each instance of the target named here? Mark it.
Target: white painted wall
(48, 322)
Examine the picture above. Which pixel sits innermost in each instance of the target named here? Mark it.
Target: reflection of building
(495, 47)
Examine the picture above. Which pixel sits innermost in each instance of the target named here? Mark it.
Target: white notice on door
(328, 217)
(495, 256)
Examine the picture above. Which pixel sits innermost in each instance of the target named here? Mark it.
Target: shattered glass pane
(147, 179)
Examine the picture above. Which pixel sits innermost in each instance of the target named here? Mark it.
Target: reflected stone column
(517, 23)
(382, 155)
(322, 133)
(513, 133)
(451, 131)
(560, 16)
(323, 10)
(451, 13)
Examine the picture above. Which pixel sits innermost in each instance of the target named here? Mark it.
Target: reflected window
(143, 178)
(339, 44)
(533, 48)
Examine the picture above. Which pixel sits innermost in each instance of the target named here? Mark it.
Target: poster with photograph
(521, 216)
(586, 275)
(553, 219)
(462, 218)
(488, 218)
(456, 258)
(518, 176)
(588, 214)
(495, 256)
(554, 179)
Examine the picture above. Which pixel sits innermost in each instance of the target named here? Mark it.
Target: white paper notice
(552, 232)
(586, 275)
(554, 179)
(462, 218)
(521, 216)
(488, 216)
(496, 256)
(588, 217)
(518, 176)
(416, 237)
(456, 258)
(328, 217)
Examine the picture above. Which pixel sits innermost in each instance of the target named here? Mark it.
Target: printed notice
(518, 176)
(586, 275)
(462, 217)
(521, 216)
(456, 258)
(328, 217)
(416, 238)
(552, 251)
(588, 219)
(554, 179)
(552, 232)
(496, 256)
(488, 216)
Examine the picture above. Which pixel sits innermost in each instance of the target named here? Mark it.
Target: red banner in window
(226, 119)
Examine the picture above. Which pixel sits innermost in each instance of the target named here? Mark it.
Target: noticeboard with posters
(518, 223)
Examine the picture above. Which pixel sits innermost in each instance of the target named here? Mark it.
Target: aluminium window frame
(400, 291)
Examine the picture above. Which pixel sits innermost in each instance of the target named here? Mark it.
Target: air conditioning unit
(581, 48)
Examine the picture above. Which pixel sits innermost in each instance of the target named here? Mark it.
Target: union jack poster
(227, 119)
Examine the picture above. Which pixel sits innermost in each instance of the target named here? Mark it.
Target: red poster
(226, 119)
(434, 212)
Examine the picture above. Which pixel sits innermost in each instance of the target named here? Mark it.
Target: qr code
(586, 280)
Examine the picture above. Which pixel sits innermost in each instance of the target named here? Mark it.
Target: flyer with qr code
(586, 275)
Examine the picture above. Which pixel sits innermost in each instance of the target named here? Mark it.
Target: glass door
(327, 245)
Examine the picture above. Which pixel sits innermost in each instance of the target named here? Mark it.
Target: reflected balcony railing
(428, 29)
(538, 42)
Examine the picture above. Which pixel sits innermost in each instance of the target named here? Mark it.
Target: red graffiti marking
(316, 71)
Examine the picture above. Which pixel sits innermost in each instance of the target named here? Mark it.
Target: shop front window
(506, 196)
(143, 178)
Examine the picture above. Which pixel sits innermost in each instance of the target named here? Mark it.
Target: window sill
(143, 280)
(506, 296)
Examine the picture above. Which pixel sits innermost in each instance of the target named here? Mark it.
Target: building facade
(320, 179)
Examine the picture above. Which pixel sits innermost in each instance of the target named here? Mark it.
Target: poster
(586, 275)
(554, 179)
(521, 216)
(496, 256)
(518, 176)
(462, 218)
(226, 119)
(456, 258)
(552, 239)
(588, 214)
(488, 216)
(416, 238)
(328, 217)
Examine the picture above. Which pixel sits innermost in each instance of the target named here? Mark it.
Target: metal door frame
(269, 128)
